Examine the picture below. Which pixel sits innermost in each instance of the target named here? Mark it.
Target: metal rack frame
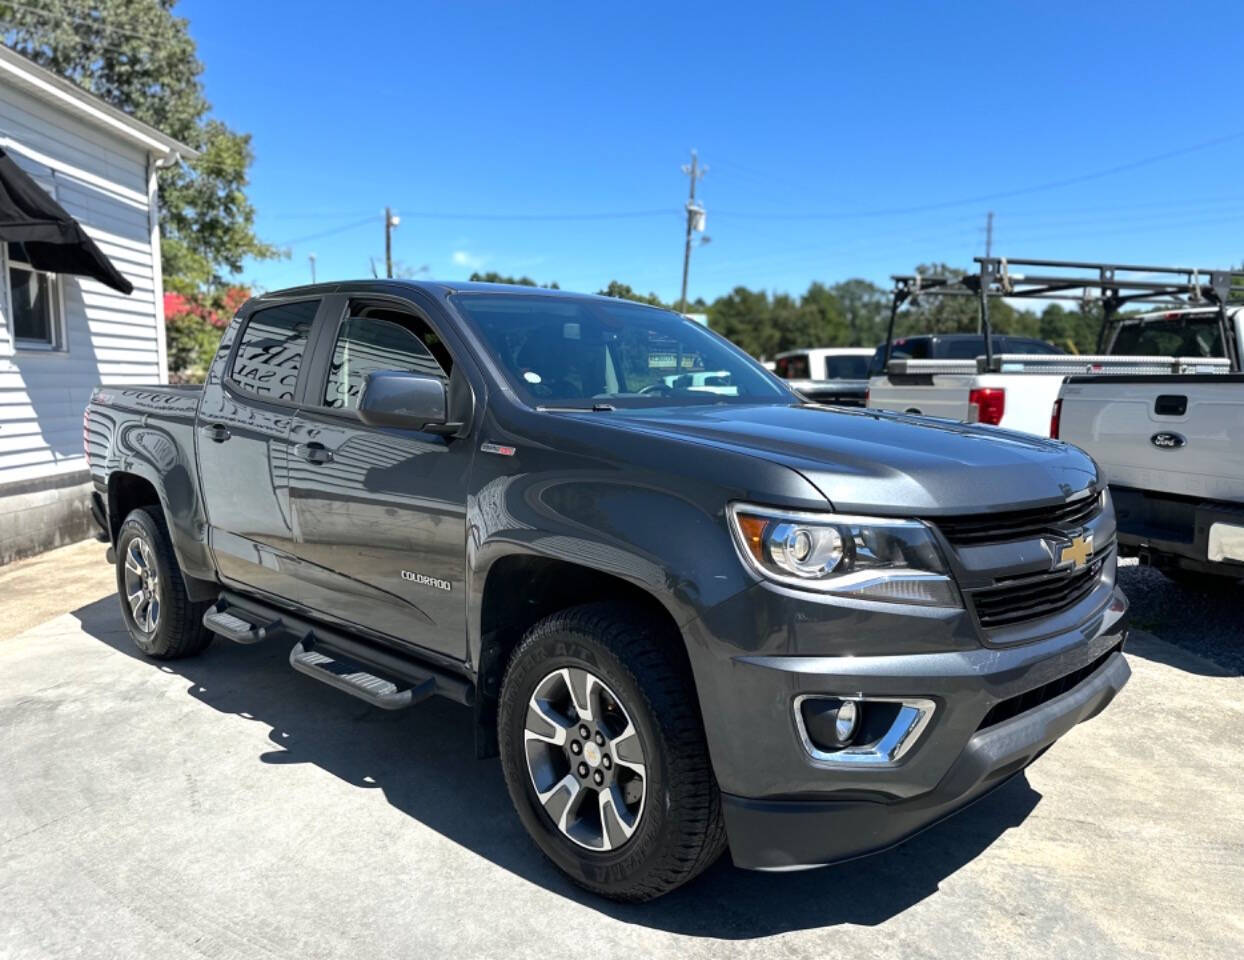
(1112, 284)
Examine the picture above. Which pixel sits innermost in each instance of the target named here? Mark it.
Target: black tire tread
(665, 682)
(186, 636)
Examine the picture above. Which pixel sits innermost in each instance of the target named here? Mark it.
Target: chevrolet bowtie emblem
(1075, 554)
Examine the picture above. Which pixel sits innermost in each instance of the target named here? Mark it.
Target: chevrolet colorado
(685, 619)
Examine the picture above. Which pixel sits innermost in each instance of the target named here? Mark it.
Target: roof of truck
(435, 288)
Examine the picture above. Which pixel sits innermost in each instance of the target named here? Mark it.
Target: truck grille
(1030, 598)
(1018, 524)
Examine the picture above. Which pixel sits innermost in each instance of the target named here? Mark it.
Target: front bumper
(791, 834)
(995, 709)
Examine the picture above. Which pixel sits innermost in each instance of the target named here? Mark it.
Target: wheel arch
(131, 490)
(522, 588)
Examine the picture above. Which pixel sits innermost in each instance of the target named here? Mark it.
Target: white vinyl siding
(102, 181)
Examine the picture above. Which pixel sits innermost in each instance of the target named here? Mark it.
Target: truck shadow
(422, 760)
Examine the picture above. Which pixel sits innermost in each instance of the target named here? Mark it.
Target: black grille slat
(1012, 707)
(1032, 599)
(1017, 524)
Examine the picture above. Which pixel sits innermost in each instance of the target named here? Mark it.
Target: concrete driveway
(228, 807)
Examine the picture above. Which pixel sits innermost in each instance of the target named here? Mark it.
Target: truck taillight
(1056, 417)
(986, 405)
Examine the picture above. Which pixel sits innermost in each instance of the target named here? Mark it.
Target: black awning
(54, 241)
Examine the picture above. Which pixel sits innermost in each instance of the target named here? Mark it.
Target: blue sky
(842, 139)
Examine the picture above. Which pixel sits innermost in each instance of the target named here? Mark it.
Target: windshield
(556, 351)
(1195, 335)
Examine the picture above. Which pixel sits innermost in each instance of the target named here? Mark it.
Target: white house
(62, 335)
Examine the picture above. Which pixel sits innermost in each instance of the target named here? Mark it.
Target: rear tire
(162, 620)
(665, 826)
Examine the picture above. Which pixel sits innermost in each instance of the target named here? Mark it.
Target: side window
(271, 348)
(377, 340)
(38, 321)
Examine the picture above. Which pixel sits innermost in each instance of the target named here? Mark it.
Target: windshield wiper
(594, 408)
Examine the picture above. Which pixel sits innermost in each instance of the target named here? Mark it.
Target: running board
(382, 674)
(351, 677)
(219, 620)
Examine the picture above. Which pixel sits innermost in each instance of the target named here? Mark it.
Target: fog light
(847, 721)
(831, 723)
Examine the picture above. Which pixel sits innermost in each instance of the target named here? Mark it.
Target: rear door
(242, 437)
(379, 514)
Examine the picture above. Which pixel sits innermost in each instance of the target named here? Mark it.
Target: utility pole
(695, 221)
(311, 257)
(989, 234)
(390, 221)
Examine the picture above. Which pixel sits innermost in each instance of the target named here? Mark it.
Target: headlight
(873, 558)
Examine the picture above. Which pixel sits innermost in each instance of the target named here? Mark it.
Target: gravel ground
(1208, 623)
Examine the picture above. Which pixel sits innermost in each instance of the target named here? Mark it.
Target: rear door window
(846, 368)
(270, 350)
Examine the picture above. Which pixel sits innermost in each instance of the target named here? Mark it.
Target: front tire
(162, 620)
(604, 755)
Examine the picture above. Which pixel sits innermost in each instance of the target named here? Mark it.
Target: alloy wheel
(585, 759)
(142, 585)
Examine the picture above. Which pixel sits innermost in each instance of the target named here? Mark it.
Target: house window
(34, 303)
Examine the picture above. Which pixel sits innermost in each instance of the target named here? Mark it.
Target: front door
(242, 435)
(380, 513)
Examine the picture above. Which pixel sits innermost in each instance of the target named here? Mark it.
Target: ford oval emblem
(1168, 441)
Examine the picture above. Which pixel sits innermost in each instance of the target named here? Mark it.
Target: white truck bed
(1030, 383)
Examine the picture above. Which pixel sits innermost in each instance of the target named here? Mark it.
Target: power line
(1021, 191)
(65, 17)
(325, 233)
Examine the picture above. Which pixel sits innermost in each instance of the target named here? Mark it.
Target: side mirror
(413, 401)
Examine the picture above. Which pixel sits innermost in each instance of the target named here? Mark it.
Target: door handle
(313, 452)
(217, 432)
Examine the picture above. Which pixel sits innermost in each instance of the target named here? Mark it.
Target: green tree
(139, 57)
(744, 317)
(624, 291)
(492, 276)
(866, 309)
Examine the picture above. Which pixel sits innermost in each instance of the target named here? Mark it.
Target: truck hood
(881, 462)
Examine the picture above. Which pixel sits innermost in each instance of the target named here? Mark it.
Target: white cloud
(473, 261)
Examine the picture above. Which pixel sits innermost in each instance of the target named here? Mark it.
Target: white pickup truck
(1171, 448)
(1013, 384)
(1016, 391)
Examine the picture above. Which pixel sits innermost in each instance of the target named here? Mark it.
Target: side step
(350, 677)
(384, 676)
(219, 620)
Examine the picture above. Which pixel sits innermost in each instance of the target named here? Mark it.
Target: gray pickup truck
(684, 619)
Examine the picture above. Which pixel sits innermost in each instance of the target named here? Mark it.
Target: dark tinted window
(846, 368)
(902, 349)
(1027, 345)
(793, 368)
(271, 349)
(1194, 336)
(377, 341)
(968, 349)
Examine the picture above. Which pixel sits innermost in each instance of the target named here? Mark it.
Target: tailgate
(931, 394)
(1181, 435)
